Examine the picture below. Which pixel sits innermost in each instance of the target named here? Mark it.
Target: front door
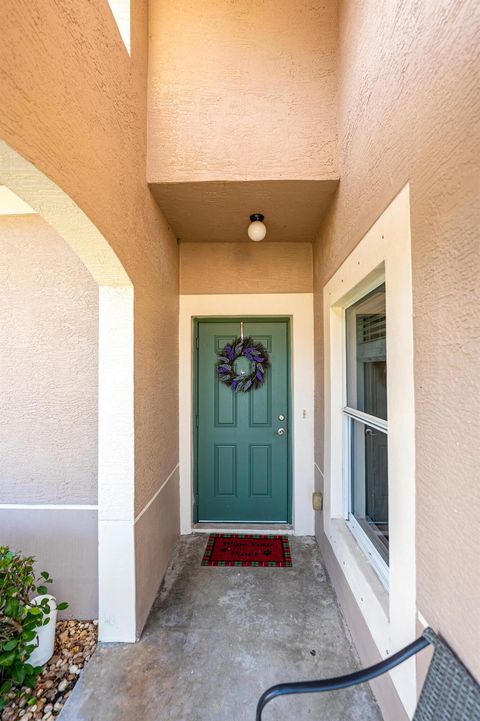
(242, 438)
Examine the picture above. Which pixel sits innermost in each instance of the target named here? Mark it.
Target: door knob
(281, 432)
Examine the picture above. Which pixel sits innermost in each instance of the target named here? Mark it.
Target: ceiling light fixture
(257, 230)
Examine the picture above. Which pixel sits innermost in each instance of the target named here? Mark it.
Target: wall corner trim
(156, 494)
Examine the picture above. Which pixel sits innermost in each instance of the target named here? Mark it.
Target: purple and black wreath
(255, 353)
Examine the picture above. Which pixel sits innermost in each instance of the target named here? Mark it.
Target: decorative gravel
(75, 642)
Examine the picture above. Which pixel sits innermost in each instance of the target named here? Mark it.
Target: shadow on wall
(56, 504)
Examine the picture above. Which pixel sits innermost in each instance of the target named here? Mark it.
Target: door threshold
(260, 528)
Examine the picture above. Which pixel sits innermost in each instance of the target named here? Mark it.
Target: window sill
(369, 592)
(369, 551)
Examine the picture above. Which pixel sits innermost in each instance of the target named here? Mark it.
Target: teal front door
(242, 439)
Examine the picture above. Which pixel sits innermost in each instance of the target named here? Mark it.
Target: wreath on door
(243, 382)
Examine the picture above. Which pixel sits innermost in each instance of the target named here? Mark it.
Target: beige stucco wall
(248, 267)
(241, 90)
(408, 112)
(74, 103)
(48, 367)
(155, 533)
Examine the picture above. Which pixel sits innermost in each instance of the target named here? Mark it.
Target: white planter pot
(45, 634)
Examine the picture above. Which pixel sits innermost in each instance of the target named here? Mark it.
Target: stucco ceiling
(219, 211)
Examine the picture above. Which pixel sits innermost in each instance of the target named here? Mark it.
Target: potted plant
(26, 609)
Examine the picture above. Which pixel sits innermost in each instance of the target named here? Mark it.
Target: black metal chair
(449, 693)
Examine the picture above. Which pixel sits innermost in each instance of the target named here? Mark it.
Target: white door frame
(299, 308)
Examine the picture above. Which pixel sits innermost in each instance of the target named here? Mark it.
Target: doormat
(242, 549)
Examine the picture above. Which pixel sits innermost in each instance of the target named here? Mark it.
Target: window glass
(367, 393)
(366, 354)
(369, 478)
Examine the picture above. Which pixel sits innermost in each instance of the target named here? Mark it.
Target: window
(363, 498)
(366, 426)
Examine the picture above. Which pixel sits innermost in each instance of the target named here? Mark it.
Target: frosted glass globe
(257, 230)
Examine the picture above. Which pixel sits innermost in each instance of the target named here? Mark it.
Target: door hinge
(197, 342)
(196, 420)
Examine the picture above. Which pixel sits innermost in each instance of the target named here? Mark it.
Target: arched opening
(115, 506)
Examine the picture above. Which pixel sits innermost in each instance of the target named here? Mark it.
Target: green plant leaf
(5, 687)
(41, 590)
(6, 659)
(10, 645)
(62, 606)
(18, 674)
(11, 608)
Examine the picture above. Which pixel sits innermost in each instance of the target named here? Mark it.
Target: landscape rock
(75, 642)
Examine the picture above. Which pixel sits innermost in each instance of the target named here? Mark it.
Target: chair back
(449, 693)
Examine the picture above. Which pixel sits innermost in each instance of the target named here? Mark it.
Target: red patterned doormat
(242, 549)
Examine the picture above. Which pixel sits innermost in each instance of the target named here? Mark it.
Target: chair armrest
(351, 679)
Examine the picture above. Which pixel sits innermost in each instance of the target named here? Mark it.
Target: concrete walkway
(217, 637)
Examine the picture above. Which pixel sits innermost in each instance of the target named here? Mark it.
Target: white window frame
(372, 554)
(390, 616)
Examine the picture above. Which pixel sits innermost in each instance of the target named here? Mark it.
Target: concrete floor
(217, 637)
